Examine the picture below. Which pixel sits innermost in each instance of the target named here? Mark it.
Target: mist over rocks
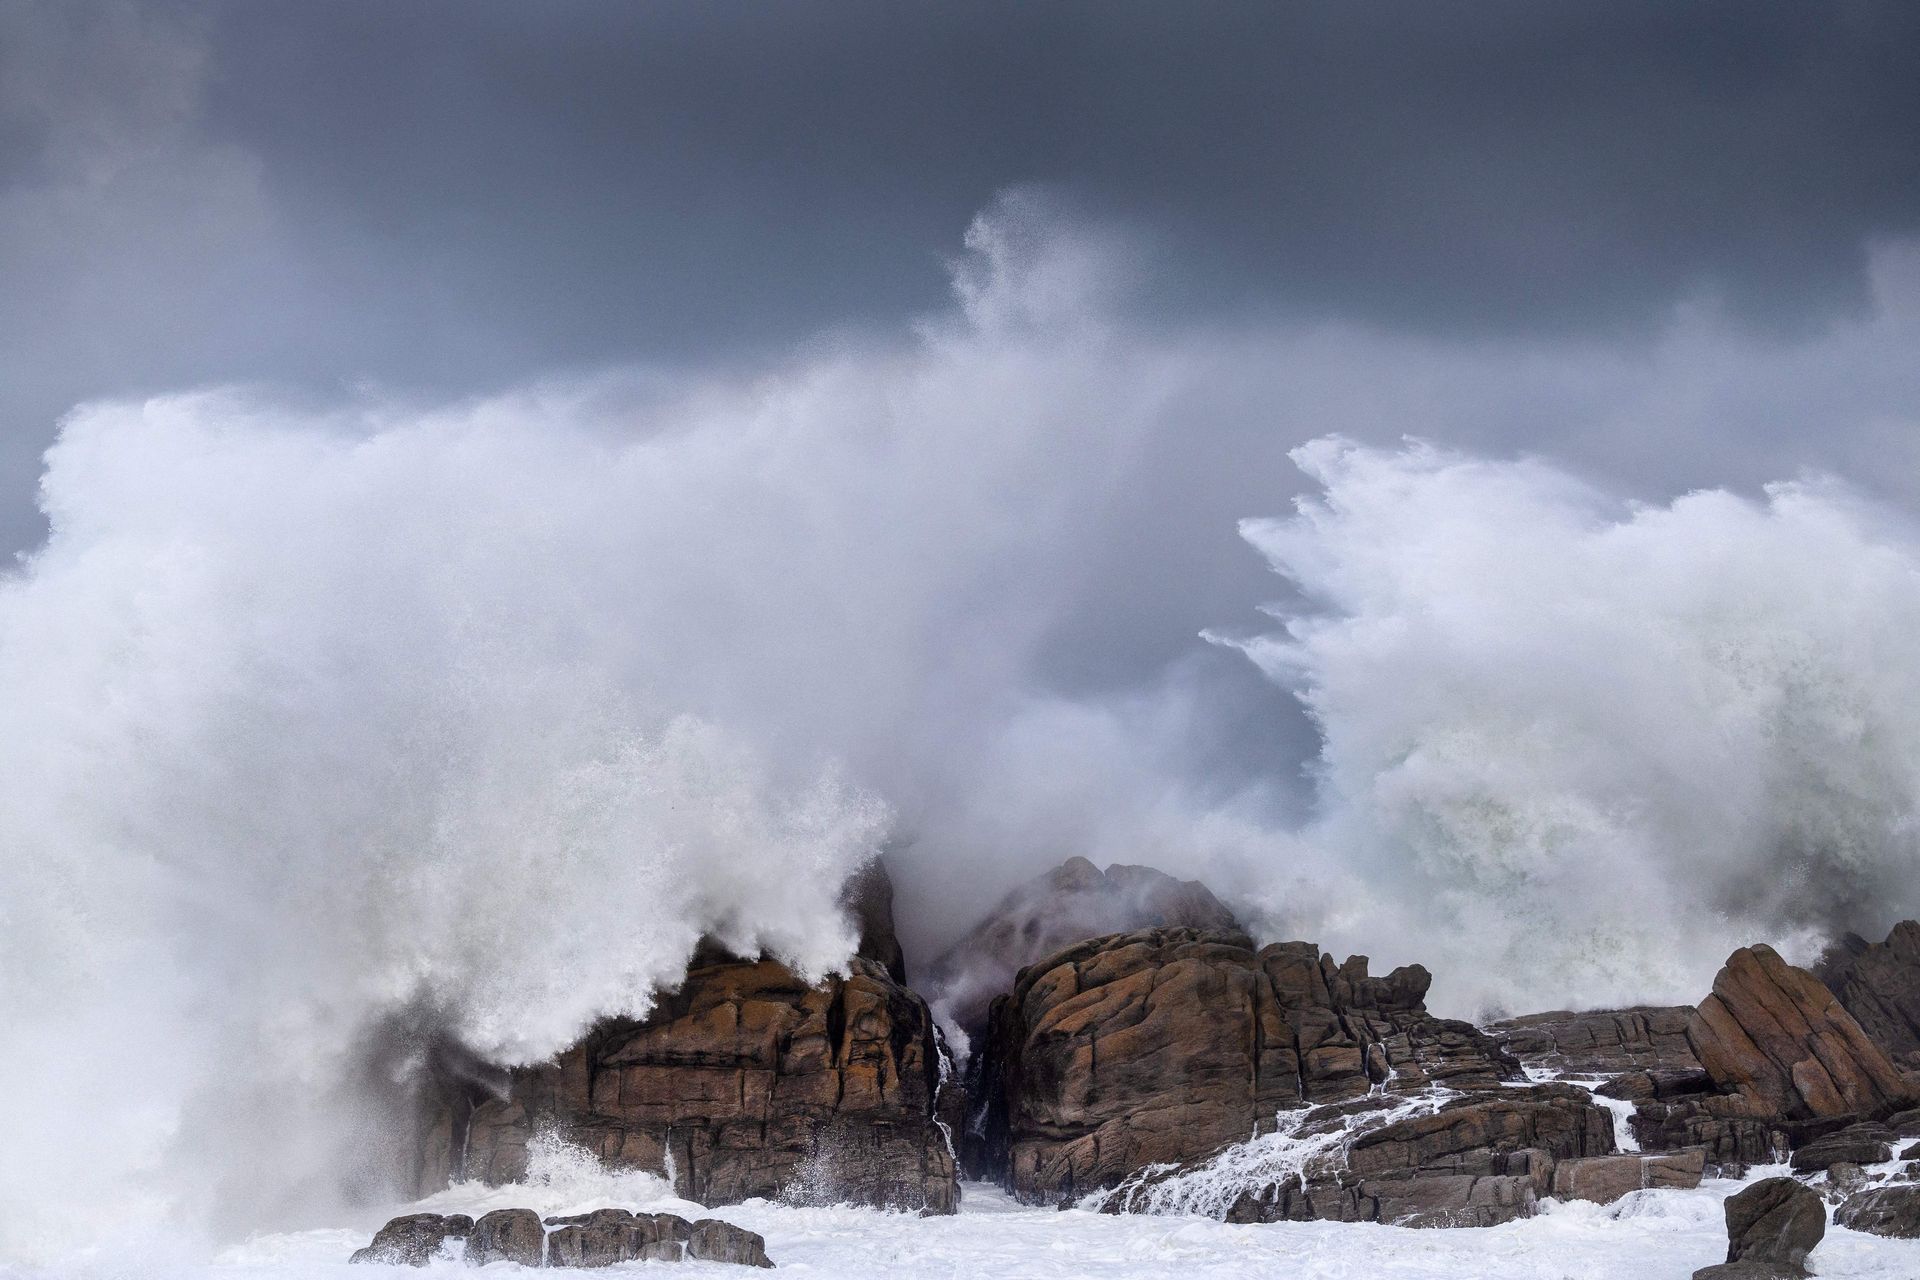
(1074, 901)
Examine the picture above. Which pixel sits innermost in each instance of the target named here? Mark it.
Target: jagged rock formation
(1601, 1042)
(602, 1238)
(1074, 901)
(1771, 1228)
(1160, 1046)
(746, 1081)
(1879, 984)
(1781, 1063)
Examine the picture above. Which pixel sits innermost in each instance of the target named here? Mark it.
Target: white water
(1296, 1151)
(1651, 1235)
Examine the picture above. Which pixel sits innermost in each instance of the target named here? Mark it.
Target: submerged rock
(602, 1238)
(414, 1240)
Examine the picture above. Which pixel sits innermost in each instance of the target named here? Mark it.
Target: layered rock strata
(1602, 1042)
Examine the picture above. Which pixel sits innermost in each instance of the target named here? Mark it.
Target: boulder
(1771, 1227)
(1604, 1179)
(414, 1240)
(1777, 1039)
(715, 1241)
(1161, 1046)
(1879, 984)
(1866, 1143)
(608, 1236)
(1601, 1042)
(508, 1235)
(1884, 1211)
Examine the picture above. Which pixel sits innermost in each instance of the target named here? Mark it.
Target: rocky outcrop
(1781, 1064)
(1865, 1143)
(745, 1081)
(1775, 1037)
(603, 1238)
(1601, 1042)
(1771, 1228)
(1884, 1211)
(1073, 902)
(1879, 984)
(1160, 1046)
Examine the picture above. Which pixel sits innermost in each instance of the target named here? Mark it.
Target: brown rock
(1604, 1179)
(1162, 1045)
(1606, 1042)
(1073, 902)
(1867, 1143)
(1884, 1211)
(1774, 1223)
(744, 1082)
(508, 1235)
(715, 1241)
(413, 1240)
(1775, 1037)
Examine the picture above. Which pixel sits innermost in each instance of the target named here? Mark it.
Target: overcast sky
(1669, 245)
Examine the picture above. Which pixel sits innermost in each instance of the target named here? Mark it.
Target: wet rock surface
(1604, 1179)
(1884, 1211)
(415, 1239)
(1771, 1228)
(602, 1238)
(1879, 984)
(1161, 1046)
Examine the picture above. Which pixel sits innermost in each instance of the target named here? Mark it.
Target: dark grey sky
(448, 196)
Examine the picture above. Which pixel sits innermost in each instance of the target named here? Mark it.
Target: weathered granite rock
(413, 1240)
(508, 1235)
(1776, 1038)
(1604, 1179)
(1601, 1042)
(608, 1236)
(745, 1082)
(714, 1241)
(1879, 984)
(1884, 1211)
(1073, 902)
(1771, 1228)
(1162, 1045)
(1866, 1143)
